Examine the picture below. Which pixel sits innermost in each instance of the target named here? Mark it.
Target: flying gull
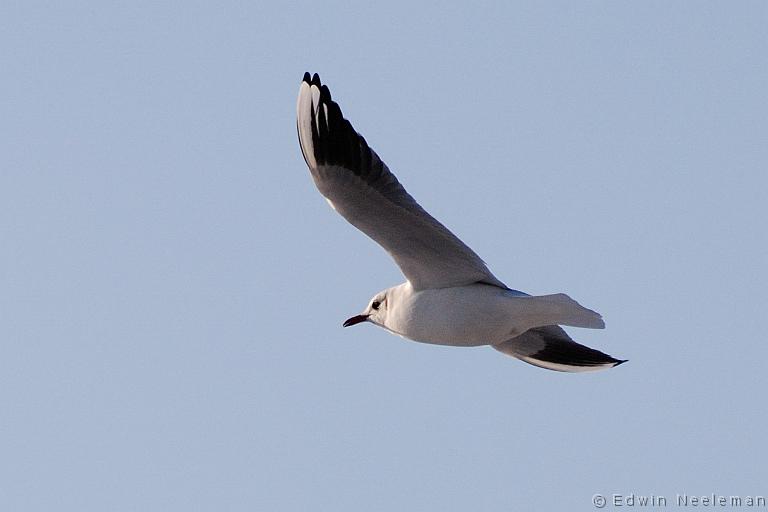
(450, 297)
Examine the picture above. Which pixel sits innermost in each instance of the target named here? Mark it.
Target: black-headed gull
(450, 297)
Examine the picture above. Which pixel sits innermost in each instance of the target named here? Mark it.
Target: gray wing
(359, 186)
(550, 347)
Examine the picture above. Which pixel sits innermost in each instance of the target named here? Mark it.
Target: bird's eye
(375, 304)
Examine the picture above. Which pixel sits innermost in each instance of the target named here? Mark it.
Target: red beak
(355, 320)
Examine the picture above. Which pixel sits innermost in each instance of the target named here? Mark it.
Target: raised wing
(360, 187)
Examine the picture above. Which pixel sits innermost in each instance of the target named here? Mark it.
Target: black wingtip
(620, 361)
(333, 139)
(325, 93)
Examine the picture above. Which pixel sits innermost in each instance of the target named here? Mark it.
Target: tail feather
(572, 313)
(550, 347)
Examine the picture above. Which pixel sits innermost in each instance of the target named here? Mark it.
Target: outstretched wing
(550, 347)
(360, 187)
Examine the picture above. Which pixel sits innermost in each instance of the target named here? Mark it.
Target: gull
(449, 297)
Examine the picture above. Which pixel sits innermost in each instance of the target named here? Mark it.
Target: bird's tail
(550, 347)
(562, 310)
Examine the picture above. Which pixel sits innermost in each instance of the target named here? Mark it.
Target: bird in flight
(449, 297)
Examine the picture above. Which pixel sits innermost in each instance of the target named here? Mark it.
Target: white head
(376, 311)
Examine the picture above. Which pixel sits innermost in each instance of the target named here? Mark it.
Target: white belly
(463, 316)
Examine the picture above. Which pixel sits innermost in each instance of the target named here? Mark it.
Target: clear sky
(172, 285)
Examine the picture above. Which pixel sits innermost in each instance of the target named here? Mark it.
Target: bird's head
(374, 312)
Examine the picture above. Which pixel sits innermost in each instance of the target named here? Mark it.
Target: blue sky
(172, 286)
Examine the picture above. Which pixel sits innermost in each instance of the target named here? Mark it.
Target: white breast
(479, 314)
(462, 316)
